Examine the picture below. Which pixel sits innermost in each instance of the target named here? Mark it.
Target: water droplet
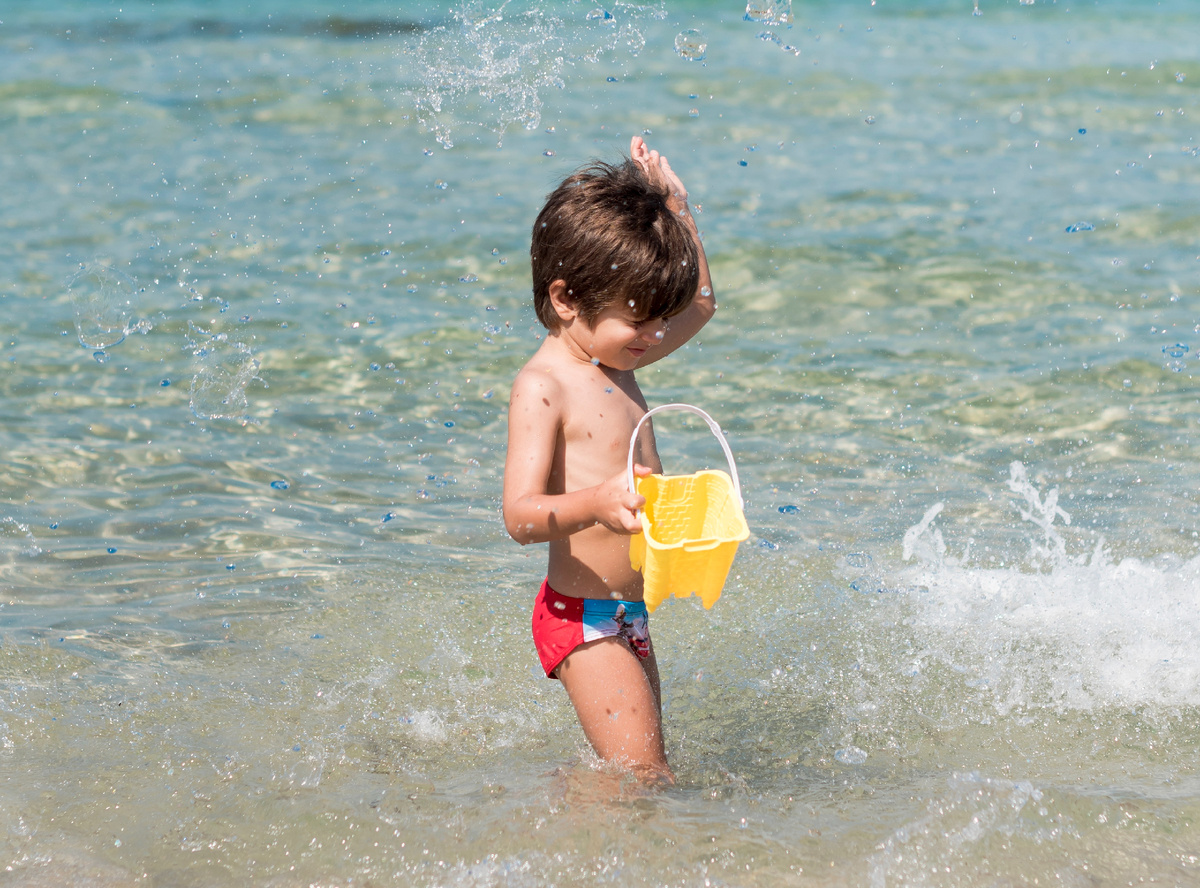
(869, 120)
(1080, 226)
(1180, 77)
(771, 12)
(165, 383)
(705, 291)
(1082, 131)
(851, 755)
(743, 163)
(691, 45)
(449, 423)
(104, 303)
(768, 545)
(789, 510)
(608, 390)
(280, 484)
(412, 288)
(374, 366)
(694, 112)
(101, 357)
(231, 567)
(1178, 350)
(224, 368)
(112, 550)
(595, 362)
(441, 185)
(612, 80)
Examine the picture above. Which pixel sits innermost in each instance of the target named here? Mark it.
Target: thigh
(617, 702)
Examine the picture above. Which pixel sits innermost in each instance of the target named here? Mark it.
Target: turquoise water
(264, 284)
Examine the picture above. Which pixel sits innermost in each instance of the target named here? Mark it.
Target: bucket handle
(713, 427)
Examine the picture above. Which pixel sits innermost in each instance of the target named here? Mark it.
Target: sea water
(263, 288)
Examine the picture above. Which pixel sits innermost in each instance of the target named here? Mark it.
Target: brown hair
(608, 233)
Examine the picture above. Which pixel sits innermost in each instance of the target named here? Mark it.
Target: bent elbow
(521, 533)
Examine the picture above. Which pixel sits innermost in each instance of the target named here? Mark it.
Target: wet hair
(608, 233)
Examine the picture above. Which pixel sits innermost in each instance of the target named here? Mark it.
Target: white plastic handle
(713, 427)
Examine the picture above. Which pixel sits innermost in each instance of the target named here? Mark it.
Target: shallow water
(259, 619)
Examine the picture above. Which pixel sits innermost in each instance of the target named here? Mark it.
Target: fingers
(639, 152)
(672, 179)
(631, 521)
(639, 469)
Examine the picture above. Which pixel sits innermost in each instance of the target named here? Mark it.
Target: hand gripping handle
(713, 427)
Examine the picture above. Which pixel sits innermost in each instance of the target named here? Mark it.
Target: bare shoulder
(538, 394)
(536, 378)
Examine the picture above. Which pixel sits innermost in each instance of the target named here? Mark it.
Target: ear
(563, 303)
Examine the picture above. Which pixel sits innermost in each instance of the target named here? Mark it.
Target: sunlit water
(265, 284)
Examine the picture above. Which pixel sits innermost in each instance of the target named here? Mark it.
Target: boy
(620, 280)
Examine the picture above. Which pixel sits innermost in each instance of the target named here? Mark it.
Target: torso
(600, 415)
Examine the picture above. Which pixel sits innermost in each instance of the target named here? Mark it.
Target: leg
(617, 702)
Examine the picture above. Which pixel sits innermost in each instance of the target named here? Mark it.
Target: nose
(652, 331)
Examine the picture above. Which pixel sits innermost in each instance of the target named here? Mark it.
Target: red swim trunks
(562, 623)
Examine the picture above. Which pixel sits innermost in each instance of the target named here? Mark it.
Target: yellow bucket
(691, 525)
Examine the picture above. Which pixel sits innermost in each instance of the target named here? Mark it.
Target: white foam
(1070, 632)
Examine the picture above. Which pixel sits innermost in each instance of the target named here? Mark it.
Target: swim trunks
(562, 623)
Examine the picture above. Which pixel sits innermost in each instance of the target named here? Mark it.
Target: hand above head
(658, 171)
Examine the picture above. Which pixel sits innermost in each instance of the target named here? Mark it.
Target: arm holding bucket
(532, 512)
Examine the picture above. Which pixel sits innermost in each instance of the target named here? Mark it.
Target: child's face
(619, 340)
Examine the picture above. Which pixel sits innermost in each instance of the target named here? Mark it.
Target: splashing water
(925, 541)
(1041, 512)
(225, 367)
(691, 45)
(17, 537)
(105, 302)
(491, 67)
(1076, 634)
(769, 12)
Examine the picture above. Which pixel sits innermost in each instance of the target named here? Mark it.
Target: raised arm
(532, 514)
(686, 324)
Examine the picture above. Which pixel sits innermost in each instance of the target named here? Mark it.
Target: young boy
(619, 281)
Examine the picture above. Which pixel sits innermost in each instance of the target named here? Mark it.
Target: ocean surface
(263, 288)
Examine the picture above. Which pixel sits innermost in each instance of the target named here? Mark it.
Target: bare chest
(602, 416)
